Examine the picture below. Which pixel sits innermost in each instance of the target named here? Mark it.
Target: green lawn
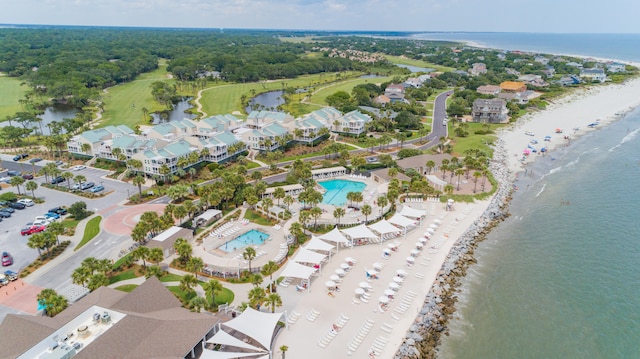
(321, 95)
(256, 217)
(90, 231)
(10, 92)
(118, 101)
(418, 63)
(128, 274)
(127, 287)
(225, 98)
(170, 277)
(224, 296)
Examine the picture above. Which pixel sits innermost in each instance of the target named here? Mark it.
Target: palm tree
(279, 194)
(316, 212)
(296, 230)
(16, 181)
(382, 202)
(67, 176)
(366, 210)
(256, 297)
(190, 207)
(448, 189)
(210, 289)
(338, 213)
(197, 303)
(459, 172)
(180, 212)
(31, 186)
(274, 300)
(195, 265)
(57, 229)
(288, 201)
(249, 254)
(52, 302)
(476, 176)
(266, 204)
(256, 279)
(430, 165)
(188, 282)
(139, 181)
(81, 275)
(141, 253)
(283, 349)
(268, 269)
(85, 147)
(156, 255)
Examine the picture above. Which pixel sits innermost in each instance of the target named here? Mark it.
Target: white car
(27, 202)
(41, 222)
(529, 133)
(79, 167)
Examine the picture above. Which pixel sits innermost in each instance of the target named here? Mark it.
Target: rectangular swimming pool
(337, 190)
(252, 237)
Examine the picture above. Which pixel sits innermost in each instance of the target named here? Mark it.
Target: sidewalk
(75, 239)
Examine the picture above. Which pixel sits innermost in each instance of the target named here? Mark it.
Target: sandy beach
(572, 114)
(370, 328)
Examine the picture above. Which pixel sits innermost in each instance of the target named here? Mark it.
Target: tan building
(513, 86)
(166, 239)
(492, 90)
(148, 322)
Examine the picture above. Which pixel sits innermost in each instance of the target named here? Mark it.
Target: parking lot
(10, 238)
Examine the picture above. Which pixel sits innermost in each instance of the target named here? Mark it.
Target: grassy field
(321, 95)
(123, 104)
(417, 63)
(127, 287)
(10, 92)
(226, 98)
(90, 231)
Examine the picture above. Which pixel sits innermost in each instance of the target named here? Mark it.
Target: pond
(178, 112)
(414, 69)
(266, 101)
(369, 76)
(53, 113)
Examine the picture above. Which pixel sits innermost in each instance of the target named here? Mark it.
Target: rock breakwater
(423, 336)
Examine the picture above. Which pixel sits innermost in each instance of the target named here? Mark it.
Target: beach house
(615, 67)
(490, 111)
(353, 123)
(478, 68)
(593, 74)
(492, 90)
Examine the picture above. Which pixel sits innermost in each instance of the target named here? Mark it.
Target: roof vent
(106, 318)
(96, 317)
(83, 331)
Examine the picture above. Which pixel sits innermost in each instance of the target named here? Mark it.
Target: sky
(554, 16)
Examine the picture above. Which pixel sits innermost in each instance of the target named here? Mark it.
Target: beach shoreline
(604, 104)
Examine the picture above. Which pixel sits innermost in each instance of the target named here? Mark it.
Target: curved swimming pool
(337, 190)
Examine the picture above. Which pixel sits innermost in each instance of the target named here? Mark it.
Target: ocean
(560, 278)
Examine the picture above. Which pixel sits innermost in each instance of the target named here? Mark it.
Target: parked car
(13, 173)
(16, 205)
(58, 210)
(3, 280)
(57, 180)
(79, 167)
(5, 180)
(59, 163)
(4, 214)
(50, 215)
(86, 185)
(7, 259)
(7, 209)
(27, 202)
(34, 160)
(27, 176)
(529, 133)
(97, 189)
(32, 229)
(42, 222)
(20, 156)
(11, 275)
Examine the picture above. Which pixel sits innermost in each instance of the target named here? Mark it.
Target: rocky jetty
(439, 305)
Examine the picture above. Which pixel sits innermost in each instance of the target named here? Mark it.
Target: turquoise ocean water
(561, 277)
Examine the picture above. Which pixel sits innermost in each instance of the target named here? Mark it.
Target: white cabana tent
(224, 338)
(402, 221)
(307, 256)
(437, 182)
(334, 236)
(251, 323)
(359, 232)
(383, 227)
(413, 213)
(317, 244)
(297, 270)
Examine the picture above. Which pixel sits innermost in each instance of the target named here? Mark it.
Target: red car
(33, 229)
(7, 259)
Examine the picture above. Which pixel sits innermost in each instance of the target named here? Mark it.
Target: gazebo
(297, 270)
(383, 227)
(317, 244)
(334, 236)
(402, 221)
(413, 213)
(359, 232)
(308, 256)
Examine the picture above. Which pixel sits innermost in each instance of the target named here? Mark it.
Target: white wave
(630, 136)
(541, 190)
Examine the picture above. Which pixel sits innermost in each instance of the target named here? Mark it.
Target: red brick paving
(20, 296)
(123, 221)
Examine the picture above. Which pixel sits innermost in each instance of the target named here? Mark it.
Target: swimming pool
(254, 236)
(337, 190)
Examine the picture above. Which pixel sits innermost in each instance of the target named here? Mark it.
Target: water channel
(178, 112)
(415, 69)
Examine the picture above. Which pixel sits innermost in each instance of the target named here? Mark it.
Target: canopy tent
(316, 244)
(401, 221)
(224, 338)
(334, 236)
(297, 270)
(384, 227)
(412, 212)
(257, 325)
(306, 256)
(360, 232)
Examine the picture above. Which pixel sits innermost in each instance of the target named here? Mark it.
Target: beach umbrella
(330, 284)
(389, 292)
(393, 286)
(431, 230)
(437, 221)
(384, 299)
(401, 272)
(359, 291)
(377, 266)
(434, 226)
(334, 278)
